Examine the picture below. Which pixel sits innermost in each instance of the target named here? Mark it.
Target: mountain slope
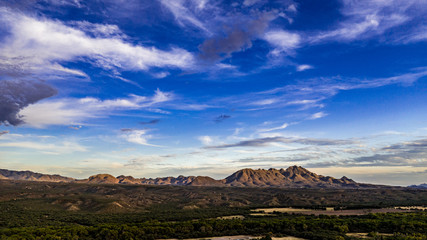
(292, 177)
(100, 179)
(32, 176)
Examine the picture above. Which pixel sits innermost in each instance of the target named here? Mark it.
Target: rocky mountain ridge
(32, 176)
(294, 176)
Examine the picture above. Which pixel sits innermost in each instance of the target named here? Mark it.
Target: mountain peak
(297, 170)
(102, 178)
(293, 176)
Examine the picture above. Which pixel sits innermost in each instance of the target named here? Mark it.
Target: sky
(201, 87)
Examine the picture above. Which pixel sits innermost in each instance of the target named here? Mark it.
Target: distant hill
(100, 179)
(421, 186)
(32, 176)
(293, 176)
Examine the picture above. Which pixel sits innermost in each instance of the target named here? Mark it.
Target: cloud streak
(71, 111)
(310, 93)
(263, 142)
(367, 19)
(283, 126)
(410, 153)
(154, 121)
(221, 118)
(44, 144)
(183, 15)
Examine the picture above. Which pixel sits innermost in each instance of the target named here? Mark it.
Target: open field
(367, 235)
(232, 217)
(268, 211)
(241, 237)
(411, 208)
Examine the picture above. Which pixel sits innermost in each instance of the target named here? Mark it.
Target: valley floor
(37, 210)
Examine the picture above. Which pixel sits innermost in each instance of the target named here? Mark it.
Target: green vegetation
(81, 211)
(402, 226)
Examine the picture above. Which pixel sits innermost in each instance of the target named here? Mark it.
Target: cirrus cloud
(68, 111)
(35, 45)
(263, 142)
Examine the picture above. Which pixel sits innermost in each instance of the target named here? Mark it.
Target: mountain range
(32, 176)
(294, 176)
(420, 186)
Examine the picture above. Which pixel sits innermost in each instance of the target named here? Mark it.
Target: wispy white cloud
(42, 144)
(292, 8)
(78, 111)
(74, 3)
(417, 35)
(160, 74)
(318, 115)
(283, 41)
(68, 111)
(62, 148)
(304, 67)
(311, 92)
(283, 126)
(206, 140)
(264, 102)
(36, 45)
(268, 141)
(367, 19)
(138, 136)
(408, 153)
(249, 3)
(184, 15)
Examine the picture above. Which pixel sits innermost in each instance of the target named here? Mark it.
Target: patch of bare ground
(412, 208)
(231, 217)
(241, 237)
(190, 207)
(367, 235)
(287, 238)
(262, 214)
(270, 211)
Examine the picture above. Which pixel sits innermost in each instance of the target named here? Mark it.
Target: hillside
(32, 176)
(293, 176)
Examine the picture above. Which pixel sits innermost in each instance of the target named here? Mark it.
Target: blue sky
(199, 87)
